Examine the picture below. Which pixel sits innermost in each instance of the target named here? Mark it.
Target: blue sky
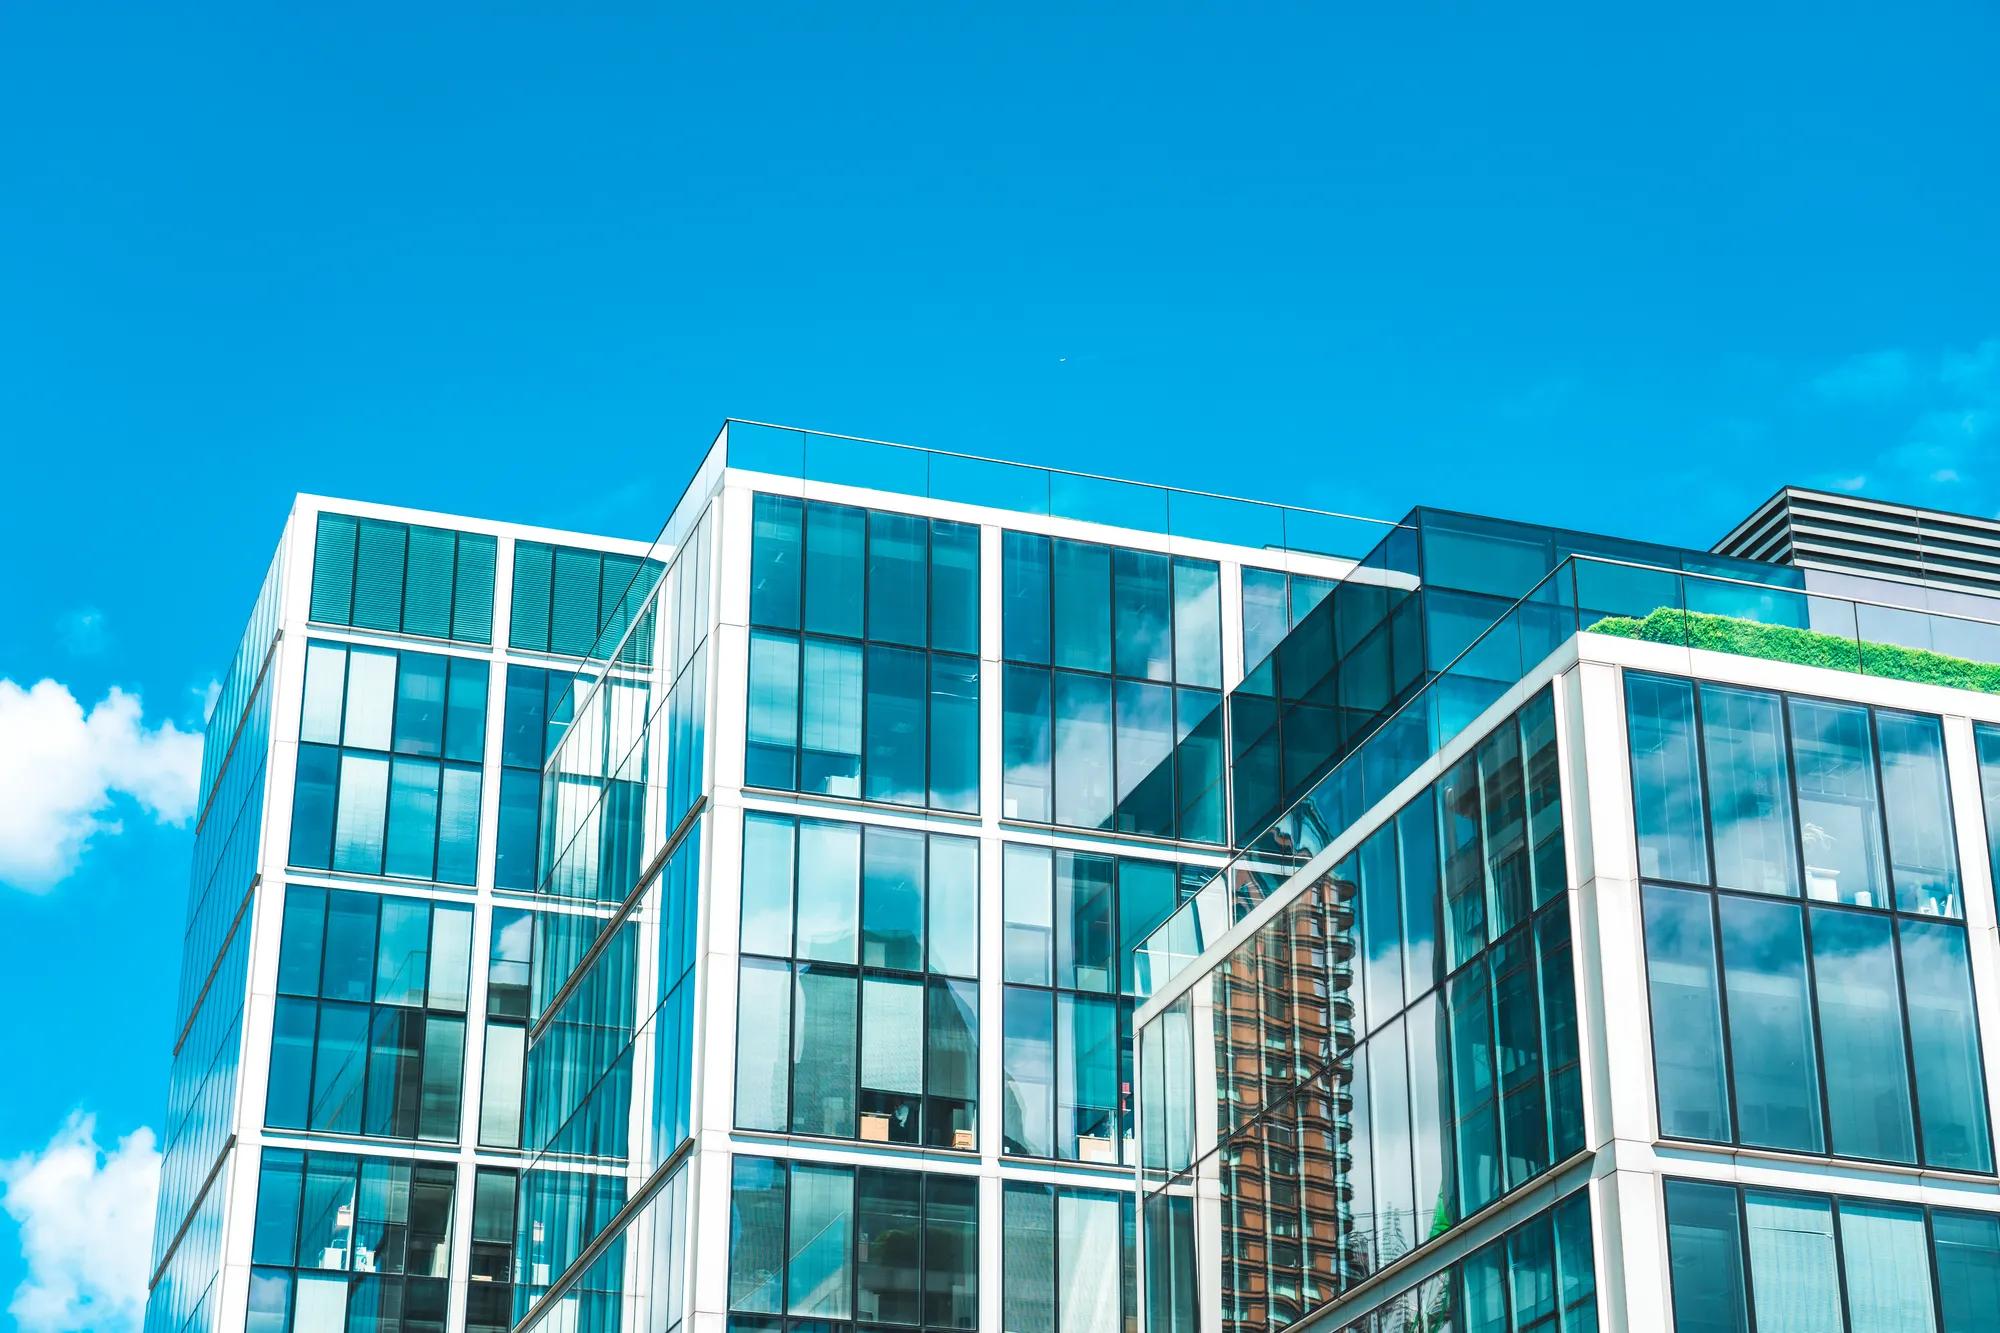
(1629, 273)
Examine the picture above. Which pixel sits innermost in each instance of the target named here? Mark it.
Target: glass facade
(874, 996)
(1788, 1259)
(864, 655)
(1389, 1054)
(1808, 965)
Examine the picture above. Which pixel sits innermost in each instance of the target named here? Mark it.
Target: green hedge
(1784, 643)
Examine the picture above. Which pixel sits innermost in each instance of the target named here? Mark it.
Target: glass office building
(917, 892)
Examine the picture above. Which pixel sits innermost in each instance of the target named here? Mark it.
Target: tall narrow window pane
(951, 1071)
(892, 1060)
(829, 890)
(1082, 584)
(444, 1071)
(898, 578)
(1545, 826)
(1143, 612)
(1416, 848)
(955, 587)
(1399, 1226)
(1749, 796)
(1265, 616)
(1887, 1262)
(413, 807)
(420, 705)
(326, 682)
(1504, 812)
(348, 971)
(371, 698)
(1531, 1264)
(1556, 962)
(951, 1252)
(897, 749)
(1944, 1037)
(1028, 1258)
(763, 1044)
(1083, 750)
(465, 711)
(888, 1229)
(458, 826)
(1524, 1128)
(403, 953)
(775, 559)
(313, 806)
(1148, 892)
(1770, 1025)
(1024, 593)
(757, 1214)
(830, 720)
(1687, 1017)
(952, 894)
(301, 941)
(771, 756)
(1027, 882)
(1987, 739)
(1199, 778)
(1087, 1251)
(1967, 1249)
(1705, 1258)
(1430, 1115)
(1144, 743)
(500, 1087)
(820, 1262)
(835, 536)
(1084, 911)
(1861, 1034)
(360, 814)
(823, 1053)
(1026, 786)
(1839, 819)
(289, 1093)
(767, 884)
(1793, 1267)
(1028, 1067)
(1914, 795)
(1473, 1090)
(1464, 863)
(1666, 778)
(338, 1061)
(954, 733)
(1087, 1100)
(1381, 925)
(1197, 622)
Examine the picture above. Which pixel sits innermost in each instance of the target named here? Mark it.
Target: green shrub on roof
(1787, 643)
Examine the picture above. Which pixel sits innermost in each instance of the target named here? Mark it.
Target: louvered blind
(472, 601)
(573, 613)
(428, 584)
(333, 569)
(378, 575)
(528, 626)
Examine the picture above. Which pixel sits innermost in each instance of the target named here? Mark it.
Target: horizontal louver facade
(373, 574)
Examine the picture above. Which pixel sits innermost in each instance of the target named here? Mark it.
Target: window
(539, 705)
(490, 1298)
(1274, 602)
(374, 574)
(1071, 921)
(864, 674)
(369, 1031)
(858, 982)
(1066, 1266)
(1894, 1267)
(579, 603)
(888, 1248)
(350, 1242)
(1114, 659)
(390, 746)
(509, 983)
(1849, 1017)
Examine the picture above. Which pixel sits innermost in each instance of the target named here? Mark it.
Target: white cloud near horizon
(86, 1222)
(62, 771)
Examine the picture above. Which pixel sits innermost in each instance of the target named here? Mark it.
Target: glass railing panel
(1218, 518)
(1118, 504)
(1333, 534)
(767, 449)
(880, 467)
(982, 481)
(1653, 597)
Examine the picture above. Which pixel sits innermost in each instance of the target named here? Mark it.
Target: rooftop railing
(1581, 594)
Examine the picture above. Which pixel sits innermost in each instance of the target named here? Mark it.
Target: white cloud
(86, 1223)
(61, 769)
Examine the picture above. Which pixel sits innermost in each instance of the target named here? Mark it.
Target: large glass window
(864, 675)
(1072, 920)
(886, 1248)
(369, 1031)
(1066, 1260)
(345, 1242)
(1134, 640)
(390, 745)
(858, 982)
(1790, 1260)
(1849, 1020)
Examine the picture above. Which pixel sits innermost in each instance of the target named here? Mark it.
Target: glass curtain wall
(1807, 957)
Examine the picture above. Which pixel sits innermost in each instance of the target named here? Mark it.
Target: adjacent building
(918, 892)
